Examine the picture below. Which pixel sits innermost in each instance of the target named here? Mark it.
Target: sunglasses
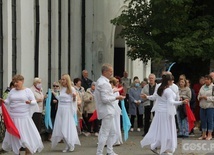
(55, 86)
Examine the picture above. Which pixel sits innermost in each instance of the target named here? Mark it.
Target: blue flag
(76, 119)
(48, 122)
(126, 121)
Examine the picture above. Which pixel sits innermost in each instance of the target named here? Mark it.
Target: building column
(7, 43)
(76, 56)
(25, 40)
(64, 36)
(43, 42)
(54, 40)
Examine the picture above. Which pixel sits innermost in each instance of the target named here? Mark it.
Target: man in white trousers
(104, 98)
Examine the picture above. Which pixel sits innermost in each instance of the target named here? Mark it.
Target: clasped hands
(137, 102)
(202, 97)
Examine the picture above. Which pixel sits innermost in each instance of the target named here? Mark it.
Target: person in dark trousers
(54, 105)
(148, 90)
(192, 101)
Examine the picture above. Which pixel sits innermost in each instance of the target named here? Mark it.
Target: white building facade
(46, 38)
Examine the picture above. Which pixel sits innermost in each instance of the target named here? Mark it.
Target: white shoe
(167, 153)
(96, 134)
(71, 149)
(132, 129)
(112, 153)
(65, 150)
(86, 134)
(138, 129)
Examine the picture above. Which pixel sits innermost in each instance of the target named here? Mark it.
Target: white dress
(162, 132)
(65, 126)
(117, 120)
(20, 114)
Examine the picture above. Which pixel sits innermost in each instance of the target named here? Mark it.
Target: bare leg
(27, 152)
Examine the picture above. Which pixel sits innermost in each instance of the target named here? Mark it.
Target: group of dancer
(21, 104)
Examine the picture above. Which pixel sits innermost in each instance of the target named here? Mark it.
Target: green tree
(176, 30)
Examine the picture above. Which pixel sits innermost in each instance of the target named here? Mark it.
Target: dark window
(49, 43)
(59, 37)
(36, 52)
(14, 48)
(69, 36)
(1, 48)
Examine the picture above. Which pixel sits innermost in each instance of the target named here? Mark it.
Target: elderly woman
(206, 100)
(80, 103)
(20, 101)
(136, 105)
(37, 91)
(89, 109)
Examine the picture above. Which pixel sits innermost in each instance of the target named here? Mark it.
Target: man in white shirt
(104, 98)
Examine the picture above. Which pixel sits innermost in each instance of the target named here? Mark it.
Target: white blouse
(16, 101)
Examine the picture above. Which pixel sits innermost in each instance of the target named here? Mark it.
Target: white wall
(100, 38)
(43, 43)
(76, 56)
(7, 48)
(25, 40)
(99, 46)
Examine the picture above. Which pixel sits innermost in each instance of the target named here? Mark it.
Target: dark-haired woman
(162, 132)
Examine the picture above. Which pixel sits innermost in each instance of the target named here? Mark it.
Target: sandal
(202, 138)
(208, 138)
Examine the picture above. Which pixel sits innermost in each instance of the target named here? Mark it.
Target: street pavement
(130, 147)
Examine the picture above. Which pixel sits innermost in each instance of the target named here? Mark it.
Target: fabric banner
(76, 119)
(190, 117)
(93, 117)
(48, 122)
(10, 126)
(126, 121)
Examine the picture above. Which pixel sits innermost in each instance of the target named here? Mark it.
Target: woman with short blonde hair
(36, 88)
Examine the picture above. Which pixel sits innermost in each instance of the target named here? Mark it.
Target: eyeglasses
(55, 86)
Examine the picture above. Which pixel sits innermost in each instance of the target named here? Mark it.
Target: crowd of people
(160, 109)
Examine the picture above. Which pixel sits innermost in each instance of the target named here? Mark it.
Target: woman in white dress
(162, 132)
(20, 102)
(65, 125)
(118, 139)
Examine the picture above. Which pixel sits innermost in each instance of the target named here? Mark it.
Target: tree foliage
(177, 30)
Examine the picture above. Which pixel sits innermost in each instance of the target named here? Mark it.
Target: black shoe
(143, 135)
(155, 151)
(22, 149)
(180, 136)
(185, 136)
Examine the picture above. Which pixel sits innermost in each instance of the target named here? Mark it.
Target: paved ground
(130, 147)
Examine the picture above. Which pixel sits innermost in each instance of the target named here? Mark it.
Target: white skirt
(30, 137)
(162, 133)
(65, 128)
(118, 129)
